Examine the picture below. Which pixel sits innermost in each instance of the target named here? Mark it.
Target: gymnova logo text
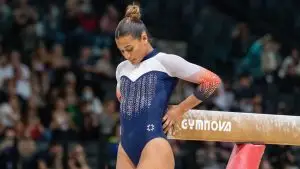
(208, 125)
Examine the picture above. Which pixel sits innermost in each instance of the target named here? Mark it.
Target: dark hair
(131, 24)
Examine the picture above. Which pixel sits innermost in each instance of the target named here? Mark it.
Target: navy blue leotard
(145, 89)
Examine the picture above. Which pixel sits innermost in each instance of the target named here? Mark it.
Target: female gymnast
(145, 81)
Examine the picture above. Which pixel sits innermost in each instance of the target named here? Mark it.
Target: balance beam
(204, 125)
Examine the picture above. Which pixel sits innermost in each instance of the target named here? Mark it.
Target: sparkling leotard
(145, 90)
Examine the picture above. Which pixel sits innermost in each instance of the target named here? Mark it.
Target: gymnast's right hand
(171, 116)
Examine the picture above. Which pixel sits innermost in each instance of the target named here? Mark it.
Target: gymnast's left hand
(170, 118)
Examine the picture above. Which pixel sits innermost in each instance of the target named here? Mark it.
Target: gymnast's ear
(144, 38)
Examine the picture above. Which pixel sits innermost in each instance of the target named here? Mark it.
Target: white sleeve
(178, 67)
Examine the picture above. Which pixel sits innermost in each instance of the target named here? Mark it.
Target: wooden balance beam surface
(237, 127)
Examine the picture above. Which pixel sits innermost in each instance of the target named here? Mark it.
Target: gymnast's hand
(171, 116)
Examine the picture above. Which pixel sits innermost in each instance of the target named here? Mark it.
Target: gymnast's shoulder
(169, 60)
(121, 66)
(163, 57)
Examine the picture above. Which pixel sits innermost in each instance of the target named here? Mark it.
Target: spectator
(265, 164)
(62, 125)
(77, 159)
(10, 112)
(224, 99)
(87, 19)
(94, 103)
(51, 158)
(34, 128)
(103, 66)
(270, 58)
(109, 20)
(244, 92)
(58, 60)
(290, 64)
(109, 117)
(5, 18)
(252, 61)
(70, 20)
(27, 149)
(8, 150)
(19, 73)
(3, 74)
(90, 126)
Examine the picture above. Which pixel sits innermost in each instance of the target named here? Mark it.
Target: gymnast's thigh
(123, 161)
(157, 154)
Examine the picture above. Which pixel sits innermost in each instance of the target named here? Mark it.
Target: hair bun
(133, 12)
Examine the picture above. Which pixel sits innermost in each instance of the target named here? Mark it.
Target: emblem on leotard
(150, 127)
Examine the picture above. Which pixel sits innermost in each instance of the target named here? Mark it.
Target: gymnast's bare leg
(157, 154)
(123, 161)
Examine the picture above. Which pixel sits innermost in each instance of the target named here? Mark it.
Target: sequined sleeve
(180, 68)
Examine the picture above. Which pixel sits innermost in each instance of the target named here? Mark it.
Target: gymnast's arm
(208, 82)
(118, 93)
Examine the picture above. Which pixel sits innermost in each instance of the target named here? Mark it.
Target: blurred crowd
(57, 86)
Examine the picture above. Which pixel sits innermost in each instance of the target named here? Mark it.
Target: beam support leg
(246, 156)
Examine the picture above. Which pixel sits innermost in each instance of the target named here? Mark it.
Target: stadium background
(57, 65)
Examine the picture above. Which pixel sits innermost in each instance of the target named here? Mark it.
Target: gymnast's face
(133, 49)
